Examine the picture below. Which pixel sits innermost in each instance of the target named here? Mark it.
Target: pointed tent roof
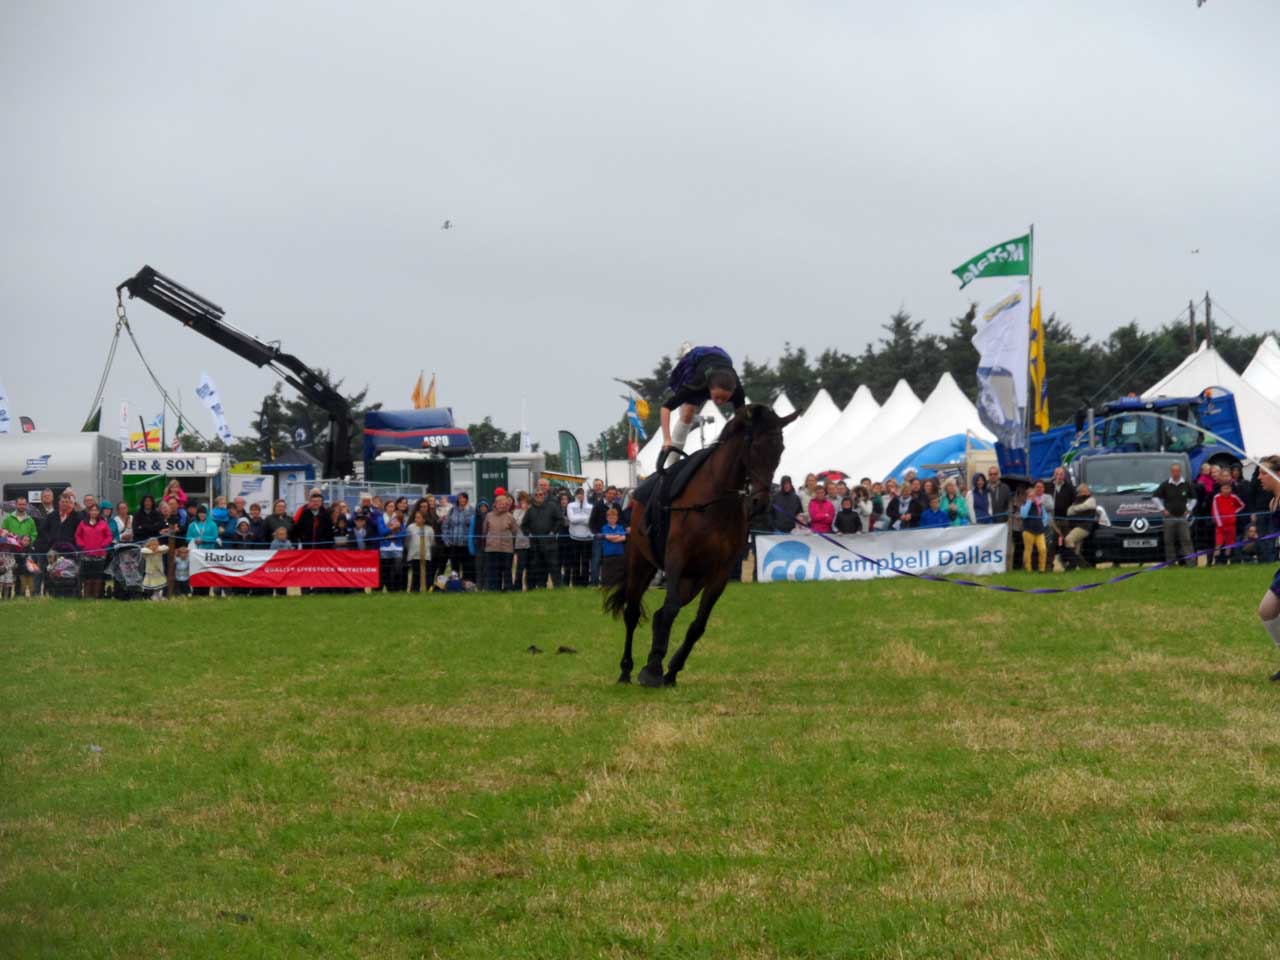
(856, 417)
(1263, 372)
(821, 414)
(1259, 416)
(947, 411)
(851, 455)
(783, 407)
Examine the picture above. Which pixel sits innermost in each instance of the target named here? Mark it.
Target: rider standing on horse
(702, 374)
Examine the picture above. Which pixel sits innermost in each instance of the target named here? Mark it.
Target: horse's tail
(613, 578)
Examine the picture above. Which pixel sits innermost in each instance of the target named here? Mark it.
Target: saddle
(659, 491)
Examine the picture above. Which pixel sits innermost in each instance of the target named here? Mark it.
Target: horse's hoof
(669, 680)
(624, 678)
(649, 678)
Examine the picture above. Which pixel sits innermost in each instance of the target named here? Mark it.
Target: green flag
(570, 457)
(94, 422)
(1009, 259)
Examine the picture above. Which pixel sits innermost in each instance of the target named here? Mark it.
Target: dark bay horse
(707, 536)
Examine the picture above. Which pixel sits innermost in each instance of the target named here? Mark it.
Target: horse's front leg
(710, 594)
(678, 594)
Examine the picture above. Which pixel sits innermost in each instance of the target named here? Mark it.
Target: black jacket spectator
(147, 523)
(58, 530)
(848, 521)
(1175, 496)
(313, 530)
(1064, 495)
(542, 519)
(785, 507)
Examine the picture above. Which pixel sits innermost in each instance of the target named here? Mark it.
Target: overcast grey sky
(621, 177)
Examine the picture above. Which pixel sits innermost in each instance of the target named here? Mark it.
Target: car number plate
(1139, 544)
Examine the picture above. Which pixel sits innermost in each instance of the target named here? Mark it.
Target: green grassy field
(893, 769)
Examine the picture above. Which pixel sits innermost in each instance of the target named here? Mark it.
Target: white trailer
(32, 462)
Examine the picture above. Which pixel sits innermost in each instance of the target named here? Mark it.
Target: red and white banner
(284, 568)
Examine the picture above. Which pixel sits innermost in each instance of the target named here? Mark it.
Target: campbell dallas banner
(284, 568)
(972, 550)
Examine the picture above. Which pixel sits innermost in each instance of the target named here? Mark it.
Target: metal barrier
(335, 491)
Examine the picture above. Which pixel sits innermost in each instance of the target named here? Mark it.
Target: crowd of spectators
(77, 546)
(68, 545)
(1049, 521)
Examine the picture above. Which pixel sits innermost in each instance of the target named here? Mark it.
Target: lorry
(1124, 485)
(85, 462)
(1137, 425)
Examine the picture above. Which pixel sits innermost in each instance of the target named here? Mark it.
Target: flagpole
(1031, 293)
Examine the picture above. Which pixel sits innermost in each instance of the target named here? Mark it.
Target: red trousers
(1224, 535)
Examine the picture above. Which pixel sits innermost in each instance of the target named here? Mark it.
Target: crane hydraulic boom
(205, 317)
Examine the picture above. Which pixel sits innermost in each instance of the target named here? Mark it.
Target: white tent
(856, 417)
(1259, 416)
(813, 423)
(1263, 372)
(947, 411)
(783, 407)
(853, 454)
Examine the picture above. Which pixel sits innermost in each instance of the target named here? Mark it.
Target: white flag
(1003, 342)
(4, 410)
(209, 394)
(124, 425)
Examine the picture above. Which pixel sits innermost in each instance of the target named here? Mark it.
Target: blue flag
(633, 415)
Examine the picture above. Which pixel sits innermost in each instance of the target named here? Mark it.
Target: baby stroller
(62, 573)
(126, 570)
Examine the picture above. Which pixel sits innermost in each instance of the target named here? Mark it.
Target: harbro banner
(284, 568)
(972, 550)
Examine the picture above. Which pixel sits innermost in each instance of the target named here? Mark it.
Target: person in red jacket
(93, 537)
(1226, 505)
(822, 512)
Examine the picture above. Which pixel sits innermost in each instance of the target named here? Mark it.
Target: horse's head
(760, 430)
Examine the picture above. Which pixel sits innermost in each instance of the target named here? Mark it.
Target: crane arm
(206, 318)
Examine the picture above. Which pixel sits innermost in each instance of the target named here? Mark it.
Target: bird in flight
(447, 225)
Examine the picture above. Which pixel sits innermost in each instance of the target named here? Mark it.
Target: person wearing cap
(786, 507)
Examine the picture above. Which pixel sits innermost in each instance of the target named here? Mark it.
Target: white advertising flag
(5, 419)
(1003, 342)
(208, 393)
(124, 426)
(971, 550)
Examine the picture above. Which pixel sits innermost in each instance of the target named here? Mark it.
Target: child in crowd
(613, 548)
(154, 580)
(1249, 550)
(8, 564)
(219, 514)
(280, 541)
(849, 519)
(1225, 507)
(341, 533)
(181, 571)
(935, 516)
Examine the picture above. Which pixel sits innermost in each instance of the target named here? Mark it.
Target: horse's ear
(783, 421)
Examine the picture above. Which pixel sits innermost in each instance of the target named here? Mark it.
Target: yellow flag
(642, 408)
(1039, 376)
(418, 397)
(430, 399)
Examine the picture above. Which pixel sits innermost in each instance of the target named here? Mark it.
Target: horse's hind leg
(679, 592)
(639, 573)
(710, 594)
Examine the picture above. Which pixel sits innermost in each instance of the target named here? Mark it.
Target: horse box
(86, 462)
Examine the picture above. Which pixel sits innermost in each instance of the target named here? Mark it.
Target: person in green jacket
(954, 505)
(22, 527)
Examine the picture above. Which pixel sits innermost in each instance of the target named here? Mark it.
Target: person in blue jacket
(935, 516)
(202, 533)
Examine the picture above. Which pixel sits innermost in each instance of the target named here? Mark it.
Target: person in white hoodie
(580, 536)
